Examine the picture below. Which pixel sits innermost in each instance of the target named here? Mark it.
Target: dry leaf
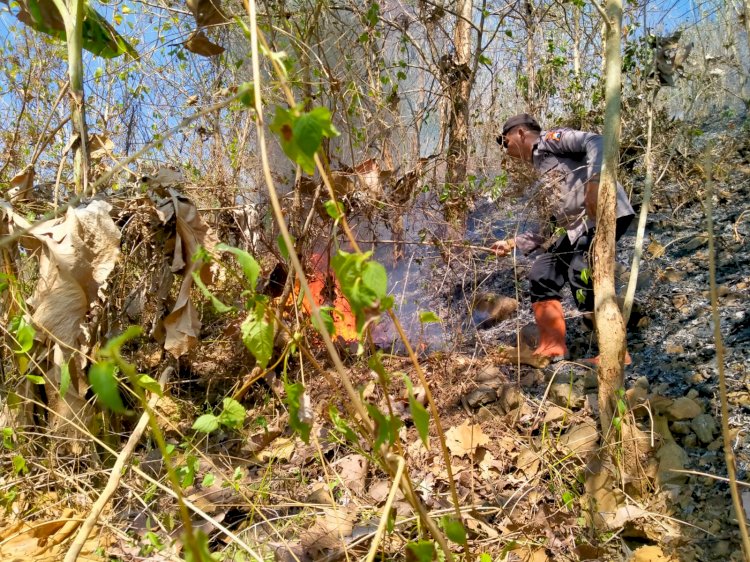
(281, 449)
(164, 177)
(77, 253)
(655, 249)
(100, 145)
(207, 12)
(464, 439)
(329, 531)
(352, 469)
(21, 185)
(182, 325)
(199, 44)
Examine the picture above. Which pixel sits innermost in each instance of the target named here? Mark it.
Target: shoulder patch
(553, 136)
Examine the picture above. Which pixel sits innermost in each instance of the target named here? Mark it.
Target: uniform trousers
(568, 262)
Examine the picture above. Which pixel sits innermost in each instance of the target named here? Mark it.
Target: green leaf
(19, 465)
(208, 480)
(145, 381)
(422, 551)
(484, 557)
(340, 424)
(375, 278)
(64, 378)
(8, 434)
(419, 414)
(103, 381)
(114, 345)
(36, 379)
(568, 498)
(99, 37)
(233, 414)
(206, 423)
(428, 317)
(24, 334)
(249, 265)
(294, 396)
(454, 529)
(308, 133)
(325, 316)
(201, 544)
(219, 306)
(585, 276)
(386, 427)
(258, 334)
(247, 94)
(334, 209)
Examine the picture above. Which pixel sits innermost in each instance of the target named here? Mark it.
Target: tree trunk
(459, 90)
(74, 36)
(610, 327)
(530, 21)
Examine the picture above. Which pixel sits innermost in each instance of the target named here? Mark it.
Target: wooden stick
(114, 476)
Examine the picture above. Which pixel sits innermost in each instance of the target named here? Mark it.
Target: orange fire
(326, 292)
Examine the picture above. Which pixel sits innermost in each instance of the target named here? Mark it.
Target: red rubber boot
(551, 323)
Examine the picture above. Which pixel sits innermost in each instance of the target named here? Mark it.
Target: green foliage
(301, 133)
(386, 427)
(99, 37)
(364, 283)
(258, 332)
(422, 551)
(341, 426)
(201, 544)
(232, 416)
(249, 265)
(19, 465)
(334, 209)
(35, 379)
(219, 306)
(454, 529)
(282, 246)
(8, 438)
(428, 317)
(294, 400)
(23, 333)
(419, 414)
(103, 381)
(64, 379)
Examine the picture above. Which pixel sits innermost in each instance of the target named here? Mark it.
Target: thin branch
(114, 476)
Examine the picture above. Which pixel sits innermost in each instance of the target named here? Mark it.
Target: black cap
(515, 121)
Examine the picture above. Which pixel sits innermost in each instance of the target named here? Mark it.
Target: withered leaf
(464, 439)
(199, 44)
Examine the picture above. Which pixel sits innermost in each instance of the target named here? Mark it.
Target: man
(569, 162)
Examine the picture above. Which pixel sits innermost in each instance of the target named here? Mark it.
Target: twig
(386, 511)
(114, 476)
(643, 217)
(728, 452)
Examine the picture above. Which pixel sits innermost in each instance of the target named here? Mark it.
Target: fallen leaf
(655, 249)
(329, 531)
(464, 439)
(352, 469)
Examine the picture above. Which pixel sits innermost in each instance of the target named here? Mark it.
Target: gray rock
(705, 427)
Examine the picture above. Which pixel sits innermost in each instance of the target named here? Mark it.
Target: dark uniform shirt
(567, 159)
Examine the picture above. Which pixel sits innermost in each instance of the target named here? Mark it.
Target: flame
(326, 292)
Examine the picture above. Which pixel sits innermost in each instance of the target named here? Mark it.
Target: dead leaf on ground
(329, 531)
(464, 439)
(650, 553)
(46, 541)
(164, 177)
(655, 249)
(201, 45)
(352, 469)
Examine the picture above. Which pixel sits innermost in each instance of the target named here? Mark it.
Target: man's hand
(591, 198)
(503, 247)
